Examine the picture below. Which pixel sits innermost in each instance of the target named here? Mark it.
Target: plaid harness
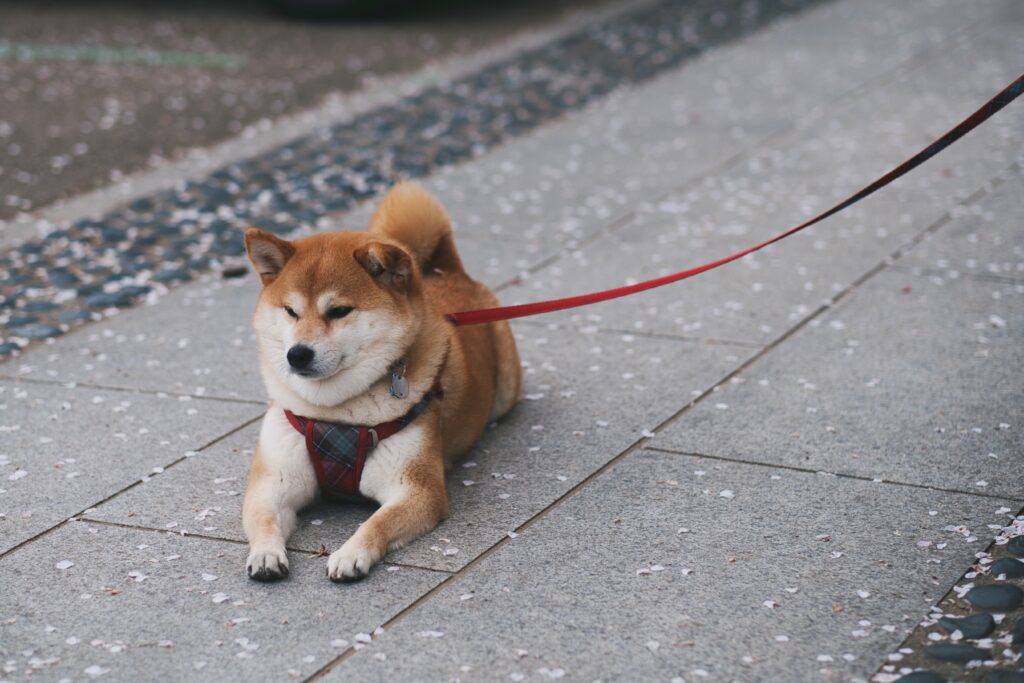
(338, 451)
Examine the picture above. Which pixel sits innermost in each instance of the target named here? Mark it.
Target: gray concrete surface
(688, 501)
(169, 607)
(607, 587)
(65, 447)
(971, 247)
(908, 380)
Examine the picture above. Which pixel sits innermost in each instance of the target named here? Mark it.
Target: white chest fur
(382, 475)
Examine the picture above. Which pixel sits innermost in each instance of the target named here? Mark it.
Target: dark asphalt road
(80, 104)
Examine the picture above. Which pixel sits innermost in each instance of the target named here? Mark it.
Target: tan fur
(400, 277)
(412, 217)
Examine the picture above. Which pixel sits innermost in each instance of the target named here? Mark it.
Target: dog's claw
(350, 563)
(266, 575)
(347, 578)
(267, 566)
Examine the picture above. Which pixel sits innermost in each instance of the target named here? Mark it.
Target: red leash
(490, 315)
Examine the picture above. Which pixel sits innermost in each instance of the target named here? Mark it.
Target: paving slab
(673, 566)
(756, 299)
(198, 340)
(587, 397)
(168, 607)
(65, 448)
(983, 240)
(911, 379)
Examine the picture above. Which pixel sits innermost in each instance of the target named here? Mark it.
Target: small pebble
(36, 331)
(1001, 597)
(1013, 569)
(973, 627)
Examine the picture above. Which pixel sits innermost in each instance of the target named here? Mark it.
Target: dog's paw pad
(350, 563)
(267, 565)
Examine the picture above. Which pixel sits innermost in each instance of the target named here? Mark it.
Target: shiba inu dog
(373, 393)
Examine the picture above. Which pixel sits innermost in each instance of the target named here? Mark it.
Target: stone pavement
(789, 469)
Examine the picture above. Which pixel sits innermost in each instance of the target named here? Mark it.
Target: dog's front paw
(351, 562)
(267, 564)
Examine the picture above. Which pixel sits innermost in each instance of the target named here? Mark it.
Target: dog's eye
(338, 312)
(289, 311)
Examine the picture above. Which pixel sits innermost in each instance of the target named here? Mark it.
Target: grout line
(986, 278)
(842, 475)
(306, 552)
(666, 336)
(30, 539)
(104, 387)
(641, 443)
(170, 532)
(130, 486)
(407, 565)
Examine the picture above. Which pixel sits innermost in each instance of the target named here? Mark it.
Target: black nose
(299, 356)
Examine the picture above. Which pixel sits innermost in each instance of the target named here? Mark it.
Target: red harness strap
(332, 485)
(338, 452)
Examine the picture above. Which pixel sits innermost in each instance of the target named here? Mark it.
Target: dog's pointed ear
(268, 253)
(386, 263)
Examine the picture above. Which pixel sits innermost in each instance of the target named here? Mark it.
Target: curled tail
(411, 216)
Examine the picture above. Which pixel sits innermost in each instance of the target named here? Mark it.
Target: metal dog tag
(399, 386)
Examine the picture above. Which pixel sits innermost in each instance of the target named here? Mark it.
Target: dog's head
(336, 311)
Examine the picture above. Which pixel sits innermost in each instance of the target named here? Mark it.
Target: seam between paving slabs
(640, 443)
(310, 554)
(771, 139)
(987, 278)
(234, 541)
(841, 475)
(130, 486)
(647, 334)
(127, 390)
(988, 549)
